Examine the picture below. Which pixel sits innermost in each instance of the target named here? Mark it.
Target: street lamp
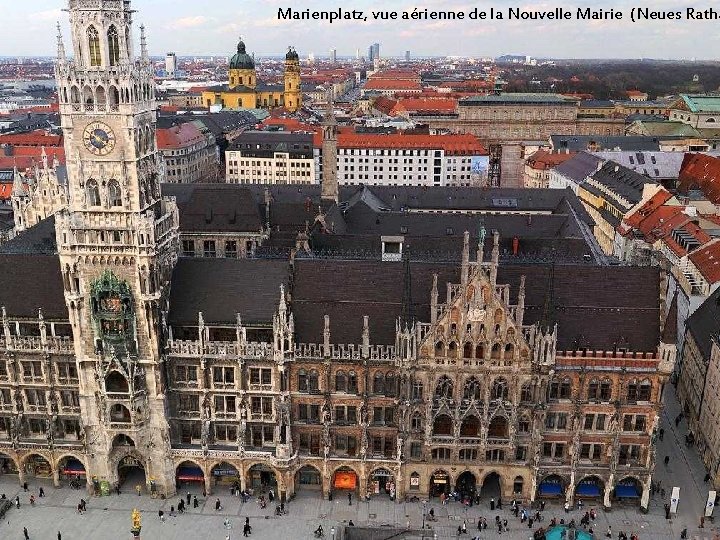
(332, 533)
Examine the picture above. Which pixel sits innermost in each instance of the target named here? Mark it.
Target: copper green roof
(517, 97)
(702, 102)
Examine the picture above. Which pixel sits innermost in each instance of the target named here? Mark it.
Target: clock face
(99, 139)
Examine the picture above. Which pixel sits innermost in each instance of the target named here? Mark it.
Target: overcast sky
(196, 27)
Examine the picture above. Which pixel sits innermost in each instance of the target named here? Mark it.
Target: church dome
(241, 59)
(292, 55)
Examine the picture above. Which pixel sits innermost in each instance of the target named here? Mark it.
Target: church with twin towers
(124, 361)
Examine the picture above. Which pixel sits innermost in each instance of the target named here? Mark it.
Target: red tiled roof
(392, 84)
(181, 136)
(646, 210)
(707, 260)
(384, 104)
(543, 160)
(396, 74)
(34, 151)
(33, 138)
(635, 93)
(452, 144)
(700, 172)
(425, 105)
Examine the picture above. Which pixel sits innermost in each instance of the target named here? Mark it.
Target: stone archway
(439, 483)
(225, 473)
(261, 477)
(131, 473)
(72, 469)
(629, 490)
(8, 465)
(551, 486)
(345, 479)
(189, 477)
(308, 478)
(491, 486)
(590, 487)
(382, 482)
(465, 485)
(37, 466)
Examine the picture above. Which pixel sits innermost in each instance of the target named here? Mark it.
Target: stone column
(207, 479)
(21, 475)
(56, 477)
(607, 504)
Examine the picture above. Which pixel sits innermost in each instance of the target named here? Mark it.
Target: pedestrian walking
(188, 497)
(41, 492)
(138, 489)
(667, 460)
(707, 477)
(492, 503)
(702, 522)
(246, 529)
(32, 500)
(667, 511)
(25, 486)
(542, 505)
(218, 506)
(608, 534)
(662, 433)
(59, 536)
(25, 533)
(195, 502)
(161, 515)
(349, 499)
(172, 511)
(17, 501)
(567, 507)
(271, 495)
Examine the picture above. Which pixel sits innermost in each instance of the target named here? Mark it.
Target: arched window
(509, 351)
(524, 425)
(467, 350)
(559, 389)
(444, 387)
(470, 427)
(340, 382)
(439, 349)
(94, 46)
(710, 120)
(390, 384)
(593, 389)
(379, 383)
(526, 393)
(352, 386)
(113, 95)
(313, 381)
(495, 352)
(416, 422)
(500, 389)
(114, 195)
(498, 427)
(417, 389)
(302, 381)
(480, 351)
(113, 46)
(443, 425)
(92, 193)
(75, 95)
(472, 389)
(452, 350)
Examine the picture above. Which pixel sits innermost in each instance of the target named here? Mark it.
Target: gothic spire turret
(143, 46)
(329, 154)
(60, 45)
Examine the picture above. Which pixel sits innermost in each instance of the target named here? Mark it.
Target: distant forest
(608, 80)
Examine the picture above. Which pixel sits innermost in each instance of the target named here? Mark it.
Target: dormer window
(392, 248)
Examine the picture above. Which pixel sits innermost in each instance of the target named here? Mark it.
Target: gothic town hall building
(123, 360)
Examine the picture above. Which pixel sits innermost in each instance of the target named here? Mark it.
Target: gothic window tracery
(498, 427)
(94, 46)
(379, 383)
(92, 192)
(495, 352)
(416, 422)
(509, 351)
(113, 46)
(472, 389)
(559, 388)
(452, 350)
(417, 389)
(499, 388)
(480, 351)
(444, 387)
(526, 393)
(443, 425)
(467, 350)
(340, 381)
(439, 349)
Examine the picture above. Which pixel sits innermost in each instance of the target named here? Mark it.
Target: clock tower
(118, 243)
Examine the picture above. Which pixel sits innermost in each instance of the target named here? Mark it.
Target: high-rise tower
(293, 96)
(117, 242)
(330, 188)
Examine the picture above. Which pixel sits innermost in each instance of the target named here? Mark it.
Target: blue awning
(550, 488)
(74, 466)
(588, 490)
(630, 491)
(190, 474)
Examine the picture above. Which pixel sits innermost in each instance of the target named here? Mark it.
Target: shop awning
(345, 480)
(73, 466)
(189, 474)
(588, 490)
(550, 488)
(225, 472)
(629, 492)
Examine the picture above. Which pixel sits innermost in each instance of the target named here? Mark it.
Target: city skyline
(214, 30)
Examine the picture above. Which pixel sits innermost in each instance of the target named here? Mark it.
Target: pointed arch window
(114, 194)
(94, 46)
(92, 193)
(113, 46)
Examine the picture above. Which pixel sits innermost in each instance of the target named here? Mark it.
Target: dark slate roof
(577, 143)
(622, 181)
(32, 282)
(574, 297)
(596, 104)
(38, 240)
(217, 208)
(704, 324)
(222, 288)
(578, 167)
(517, 98)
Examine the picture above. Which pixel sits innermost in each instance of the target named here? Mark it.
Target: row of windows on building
(37, 397)
(374, 152)
(210, 250)
(32, 371)
(37, 428)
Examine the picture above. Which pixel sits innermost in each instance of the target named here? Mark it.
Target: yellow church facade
(244, 91)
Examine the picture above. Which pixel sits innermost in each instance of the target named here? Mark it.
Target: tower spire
(60, 45)
(329, 154)
(143, 46)
(18, 189)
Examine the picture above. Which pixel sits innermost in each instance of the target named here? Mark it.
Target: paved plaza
(108, 518)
